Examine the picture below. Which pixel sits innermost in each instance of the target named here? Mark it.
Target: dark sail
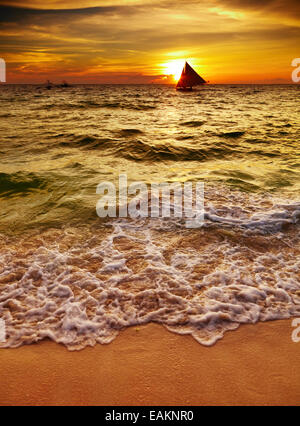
(189, 78)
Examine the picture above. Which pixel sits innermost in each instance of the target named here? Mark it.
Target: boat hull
(184, 89)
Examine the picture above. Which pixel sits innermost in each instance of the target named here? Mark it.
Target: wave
(115, 105)
(278, 218)
(130, 132)
(235, 134)
(87, 142)
(193, 123)
(133, 144)
(127, 146)
(20, 183)
(80, 286)
(92, 104)
(139, 150)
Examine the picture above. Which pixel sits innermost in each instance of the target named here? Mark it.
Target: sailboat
(64, 84)
(49, 85)
(189, 78)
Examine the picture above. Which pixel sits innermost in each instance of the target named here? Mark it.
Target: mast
(189, 78)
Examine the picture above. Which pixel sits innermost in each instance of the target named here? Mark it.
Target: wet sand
(254, 365)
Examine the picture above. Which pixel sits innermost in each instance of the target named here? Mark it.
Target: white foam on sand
(79, 286)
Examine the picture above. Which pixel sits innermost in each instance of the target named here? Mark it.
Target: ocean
(68, 275)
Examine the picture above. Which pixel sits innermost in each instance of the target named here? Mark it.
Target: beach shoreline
(148, 365)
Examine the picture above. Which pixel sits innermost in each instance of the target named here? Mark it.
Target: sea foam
(81, 285)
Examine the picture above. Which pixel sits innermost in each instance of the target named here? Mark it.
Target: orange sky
(143, 41)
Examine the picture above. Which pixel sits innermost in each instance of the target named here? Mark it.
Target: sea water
(68, 275)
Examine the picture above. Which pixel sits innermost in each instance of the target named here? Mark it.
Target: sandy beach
(149, 204)
(254, 365)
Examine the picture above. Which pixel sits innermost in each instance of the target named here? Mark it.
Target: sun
(173, 68)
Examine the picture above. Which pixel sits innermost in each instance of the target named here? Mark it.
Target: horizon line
(150, 84)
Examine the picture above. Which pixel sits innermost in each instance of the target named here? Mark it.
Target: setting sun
(173, 68)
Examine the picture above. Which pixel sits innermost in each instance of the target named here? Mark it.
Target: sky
(147, 41)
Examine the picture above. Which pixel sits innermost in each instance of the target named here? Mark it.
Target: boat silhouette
(49, 85)
(64, 84)
(188, 79)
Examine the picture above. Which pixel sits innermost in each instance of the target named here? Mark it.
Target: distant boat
(49, 85)
(189, 78)
(64, 84)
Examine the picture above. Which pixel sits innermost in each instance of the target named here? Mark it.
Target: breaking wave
(81, 285)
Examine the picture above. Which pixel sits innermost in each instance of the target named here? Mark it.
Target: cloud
(21, 14)
(134, 37)
(279, 7)
(282, 7)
